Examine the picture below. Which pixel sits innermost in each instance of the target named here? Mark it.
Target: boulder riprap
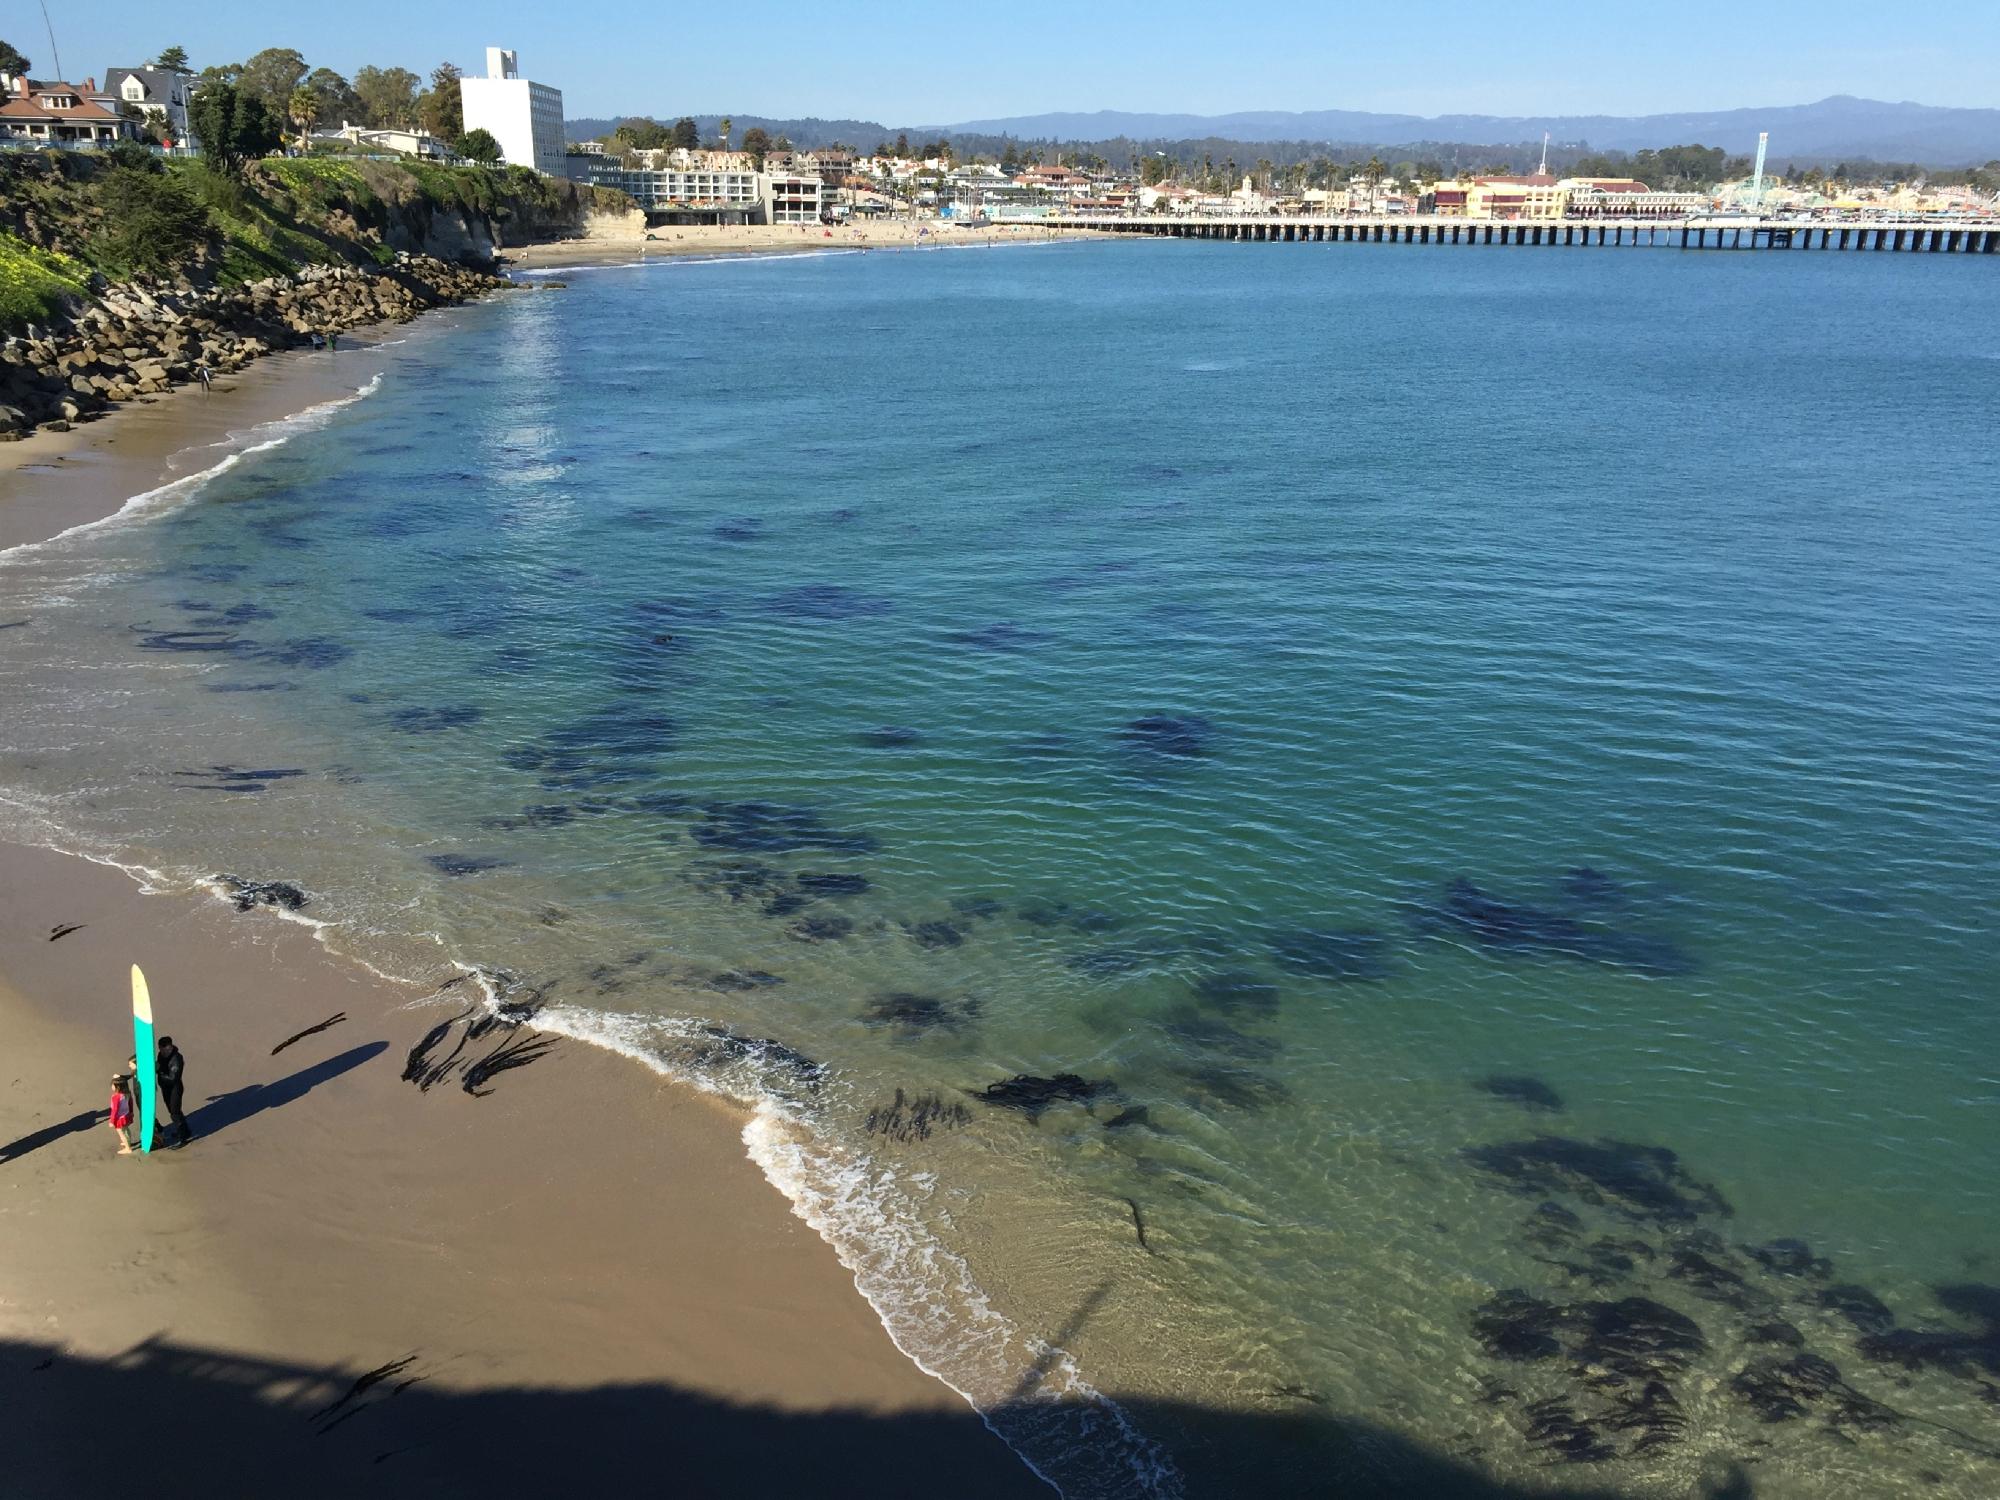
(140, 338)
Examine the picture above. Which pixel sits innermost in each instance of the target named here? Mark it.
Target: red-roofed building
(42, 113)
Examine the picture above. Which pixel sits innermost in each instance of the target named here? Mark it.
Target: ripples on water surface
(1402, 718)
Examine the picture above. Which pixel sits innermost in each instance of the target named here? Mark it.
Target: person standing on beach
(168, 1070)
(132, 1086)
(122, 1113)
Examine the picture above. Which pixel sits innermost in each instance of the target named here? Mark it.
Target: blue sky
(907, 64)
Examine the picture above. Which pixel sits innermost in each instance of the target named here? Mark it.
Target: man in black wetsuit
(168, 1080)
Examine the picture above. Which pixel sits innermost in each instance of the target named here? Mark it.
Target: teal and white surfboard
(147, 1053)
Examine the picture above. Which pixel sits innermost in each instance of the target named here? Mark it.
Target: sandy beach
(573, 1279)
(672, 240)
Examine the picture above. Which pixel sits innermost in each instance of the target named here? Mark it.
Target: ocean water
(1419, 735)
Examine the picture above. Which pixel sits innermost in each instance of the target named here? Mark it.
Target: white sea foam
(171, 495)
(1068, 1433)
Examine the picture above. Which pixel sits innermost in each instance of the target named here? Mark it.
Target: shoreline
(333, 1217)
(771, 1322)
(695, 241)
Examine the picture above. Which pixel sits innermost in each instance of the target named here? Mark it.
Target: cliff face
(121, 276)
(72, 223)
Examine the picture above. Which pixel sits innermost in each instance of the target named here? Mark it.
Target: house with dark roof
(160, 94)
(37, 112)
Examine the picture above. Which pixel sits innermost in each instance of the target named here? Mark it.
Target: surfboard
(148, 1055)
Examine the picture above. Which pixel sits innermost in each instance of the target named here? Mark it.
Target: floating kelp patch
(235, 779)
(909, 1118)
(435, 720)
(315, 652)
(1530, 1093)
(194, 641)
(1237, 992)
(825, 601)
(832, 884)
(1173, 736)
(911, 1013)
(1005, 635)
(935, 933)
(1641, 1182)
(772, 827)
(458, 866)
(830, 928)
(1346, 954)
(1956, 1351)
(889, 737)
(1467, 910)
(1034, 1096)
(247, 894)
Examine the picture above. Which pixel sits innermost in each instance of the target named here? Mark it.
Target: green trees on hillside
(232, 125)
(480, 146)
(388, 97)
(441, 108)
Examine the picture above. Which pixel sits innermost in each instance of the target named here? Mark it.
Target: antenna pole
(57, 56)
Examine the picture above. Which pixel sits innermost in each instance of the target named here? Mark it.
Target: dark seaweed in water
(831, 884)
(248, 893)
(889, 737)
(1233, 1086)
(910, 1119)
(1529, 1093)
(1006, 635)
(742, 529)
(1641, 1182)
(737, 879)
(458, 865)
(1859, 1306)
(738, 980)
(824, 929)
(1034, 1096)
(825, 601)
(435, 720)
(1790, 1258)
(1585, 886)
(915, 1013)
(1342, 953)
(1515, 927)
(234, 779)
(313, 651)
(1235, 990)
(722, 1043)
(1200, 1033)
(1176, 736)
(193, 640)
(1954, 1350)
(772, 828)
(934, 934)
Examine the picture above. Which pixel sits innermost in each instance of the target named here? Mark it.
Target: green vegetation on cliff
(66, 216)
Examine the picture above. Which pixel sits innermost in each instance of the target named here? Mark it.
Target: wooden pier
(1976, 237)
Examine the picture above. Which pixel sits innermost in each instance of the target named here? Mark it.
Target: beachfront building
(705, 196)
(420, 144)
(159, 95)
(792, 197)
(525, 118)
(1625, 197)
(43, 113)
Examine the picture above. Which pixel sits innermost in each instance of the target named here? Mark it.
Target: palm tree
(302, 109)
(723, 130)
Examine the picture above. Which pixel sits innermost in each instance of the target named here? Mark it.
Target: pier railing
(1974, 236)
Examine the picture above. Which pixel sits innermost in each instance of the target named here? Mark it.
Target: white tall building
(525, 118)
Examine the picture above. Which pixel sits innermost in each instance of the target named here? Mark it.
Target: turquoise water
(1294, 686)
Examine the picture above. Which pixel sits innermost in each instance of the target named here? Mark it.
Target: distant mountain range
(1840, 126)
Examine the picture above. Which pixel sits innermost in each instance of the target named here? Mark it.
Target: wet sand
(588, 1239)
(579, 1279)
